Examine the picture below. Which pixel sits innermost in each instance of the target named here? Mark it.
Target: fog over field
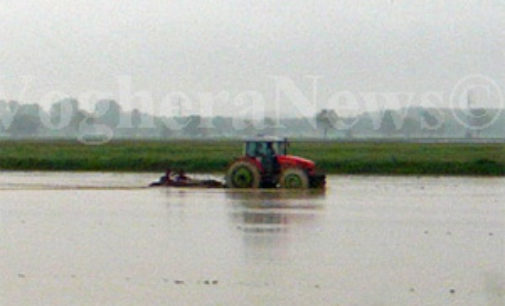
(86, 49)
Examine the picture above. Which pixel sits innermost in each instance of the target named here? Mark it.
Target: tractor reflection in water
(266, 164)
(274, 212)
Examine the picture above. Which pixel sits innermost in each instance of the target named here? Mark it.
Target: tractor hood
(296, 161)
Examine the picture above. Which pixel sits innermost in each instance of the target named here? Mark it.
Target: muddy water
(88, 238)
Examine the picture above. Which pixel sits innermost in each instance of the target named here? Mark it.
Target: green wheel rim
(293, 181)
(242, 177)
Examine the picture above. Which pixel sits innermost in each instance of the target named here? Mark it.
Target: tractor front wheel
(294, 178)
(242, 174)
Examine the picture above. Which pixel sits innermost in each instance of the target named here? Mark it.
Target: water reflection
(270, 223)
(273, 212)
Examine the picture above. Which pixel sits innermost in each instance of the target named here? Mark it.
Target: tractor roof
(266, 138)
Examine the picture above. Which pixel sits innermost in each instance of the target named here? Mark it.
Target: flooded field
(91, 238)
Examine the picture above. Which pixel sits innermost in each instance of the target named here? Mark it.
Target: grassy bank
(201, 156)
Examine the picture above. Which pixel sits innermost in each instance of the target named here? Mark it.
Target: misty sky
(234, 45)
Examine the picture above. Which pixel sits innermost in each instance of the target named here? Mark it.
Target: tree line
(65, 120)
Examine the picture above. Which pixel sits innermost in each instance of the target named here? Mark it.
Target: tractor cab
(265, 163)
(265, 146)
(266, 151)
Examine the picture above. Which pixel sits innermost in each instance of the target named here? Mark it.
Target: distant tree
(26, 122)
(347, 124)
(387, 127)
(433, 122)
(300, 126)
(469, 133)
(224, 126)
(66, 116)
(326, 119)
(479, 120)
(136, 118)
(500, 129)
(108, 112)
(8, 111)
(410, 127)
(269, 128)
(249, 128)
(349, 134)
(192, 127)
(164, 129)
(364, 126)
(24, 126)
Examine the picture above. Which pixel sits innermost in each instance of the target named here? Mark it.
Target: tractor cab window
(257, 149)
(269, 148)
(250, 149)
(254, 149)
(280, 148)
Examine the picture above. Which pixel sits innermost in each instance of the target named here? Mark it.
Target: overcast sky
(234, 45)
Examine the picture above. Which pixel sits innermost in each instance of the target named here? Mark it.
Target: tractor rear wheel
(243, 174)
(294, 178)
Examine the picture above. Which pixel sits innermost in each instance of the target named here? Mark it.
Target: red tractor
(265, 164)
